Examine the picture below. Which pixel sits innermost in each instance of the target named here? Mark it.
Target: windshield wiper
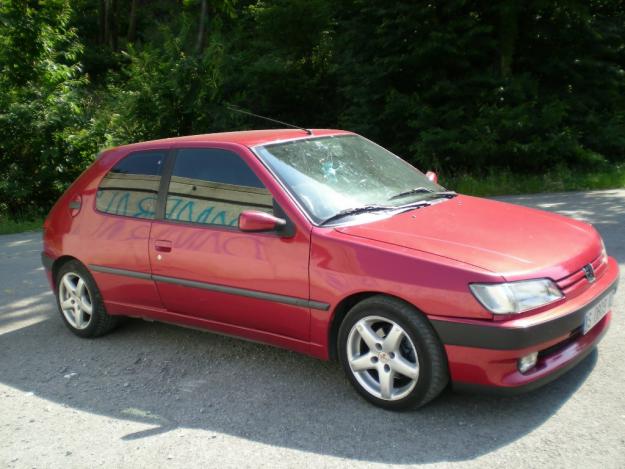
(424, 190)
(355, 211)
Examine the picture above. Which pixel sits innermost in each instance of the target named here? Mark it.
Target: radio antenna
(242, 111)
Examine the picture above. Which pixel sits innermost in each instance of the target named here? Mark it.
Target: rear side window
(213, 186)
(130, 188)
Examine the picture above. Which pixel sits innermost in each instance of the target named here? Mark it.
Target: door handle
(162, 245)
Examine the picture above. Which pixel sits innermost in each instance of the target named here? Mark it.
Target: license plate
(596, 313)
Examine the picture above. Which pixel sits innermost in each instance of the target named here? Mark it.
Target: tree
(471, 86)
(40, 101)
(461, 86)
(132, 21)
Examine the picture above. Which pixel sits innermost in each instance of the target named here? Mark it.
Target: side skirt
(206, 325)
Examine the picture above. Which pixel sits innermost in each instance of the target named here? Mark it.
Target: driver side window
(212, 187)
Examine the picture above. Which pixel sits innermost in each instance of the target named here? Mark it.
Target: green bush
(41, 106)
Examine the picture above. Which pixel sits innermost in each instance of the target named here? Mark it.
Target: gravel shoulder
(154, 395)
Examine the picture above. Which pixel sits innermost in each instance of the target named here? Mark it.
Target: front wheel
(391, 354)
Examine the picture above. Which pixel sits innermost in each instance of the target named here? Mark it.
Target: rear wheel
(80, 303)
(391, 354)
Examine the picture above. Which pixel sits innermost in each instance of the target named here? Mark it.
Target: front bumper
(483, 355)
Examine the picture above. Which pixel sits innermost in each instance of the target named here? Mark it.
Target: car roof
(249, 138)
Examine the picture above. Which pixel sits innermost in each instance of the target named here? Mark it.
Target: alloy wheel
(75, 300)
(382, 358)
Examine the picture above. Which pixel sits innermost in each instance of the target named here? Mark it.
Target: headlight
(516, 297)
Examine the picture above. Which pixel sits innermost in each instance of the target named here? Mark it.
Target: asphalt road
(153, 395)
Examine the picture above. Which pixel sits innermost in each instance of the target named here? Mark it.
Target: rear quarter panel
(108, 240)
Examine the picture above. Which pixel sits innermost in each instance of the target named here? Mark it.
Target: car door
(116, 234)
(205, 267)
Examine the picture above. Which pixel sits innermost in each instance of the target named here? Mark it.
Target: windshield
(329, 175)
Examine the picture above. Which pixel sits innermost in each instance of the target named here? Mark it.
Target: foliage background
(468, 88)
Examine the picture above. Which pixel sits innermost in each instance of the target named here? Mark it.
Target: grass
(8, 226)
(507, 183)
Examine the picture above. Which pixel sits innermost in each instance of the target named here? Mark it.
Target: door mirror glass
(251, 220)
(432, 176)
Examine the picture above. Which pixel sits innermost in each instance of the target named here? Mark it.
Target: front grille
(574, 284)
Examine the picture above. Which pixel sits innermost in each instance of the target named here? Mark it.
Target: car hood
(503, 238)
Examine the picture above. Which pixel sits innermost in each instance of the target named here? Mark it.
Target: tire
(76, 291)
(391, 354)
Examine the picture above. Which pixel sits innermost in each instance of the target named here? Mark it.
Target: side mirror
(251, 220)
(432, 176)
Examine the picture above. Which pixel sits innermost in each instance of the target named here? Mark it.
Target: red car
(323, 242)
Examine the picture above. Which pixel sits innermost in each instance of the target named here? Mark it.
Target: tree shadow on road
(171, 377)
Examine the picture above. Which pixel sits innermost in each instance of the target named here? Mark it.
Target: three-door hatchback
(322, 242)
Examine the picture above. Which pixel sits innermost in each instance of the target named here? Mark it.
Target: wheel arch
(343, 307)
(58, 263)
